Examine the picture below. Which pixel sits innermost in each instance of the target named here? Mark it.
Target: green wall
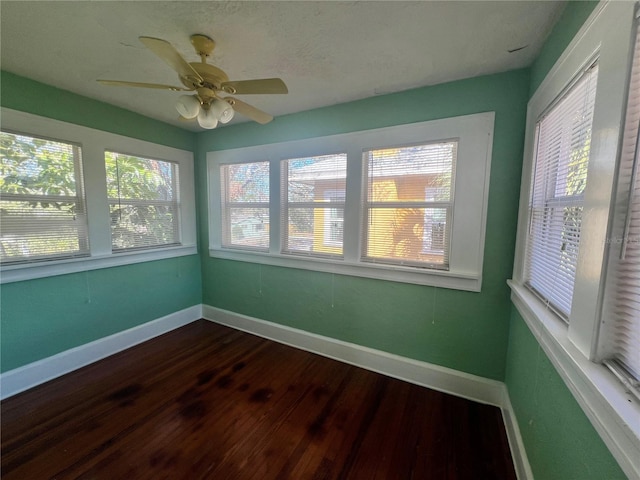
(20, 93)
(560, 441)
(461, 330)
(45, 316)
(39, 318)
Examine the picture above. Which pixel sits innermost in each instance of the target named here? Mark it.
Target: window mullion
(275, 205)
(95, 183)
(352, 229)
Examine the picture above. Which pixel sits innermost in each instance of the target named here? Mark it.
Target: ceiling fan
(208, 82)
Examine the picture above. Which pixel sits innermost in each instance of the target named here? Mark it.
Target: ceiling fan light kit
(207, 119)
(223, 110)
(188, 106)
(209, 82)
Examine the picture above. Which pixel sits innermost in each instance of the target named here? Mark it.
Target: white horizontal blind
(621, 312)
(245, 205)
(560, 177)
(312, 214)
(408, 204)
(42, 203)
(143, 202)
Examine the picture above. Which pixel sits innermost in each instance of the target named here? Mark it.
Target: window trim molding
(475, 132)
(175, 175)
(614, 413)
(369, 206)
(94, 143)
(225, 215)
(79, 199)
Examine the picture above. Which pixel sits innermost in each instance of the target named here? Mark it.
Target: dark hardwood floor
(209, 402)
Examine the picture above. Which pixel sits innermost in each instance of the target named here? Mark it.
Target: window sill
(18, 273)
(613, 412)
(443, 279)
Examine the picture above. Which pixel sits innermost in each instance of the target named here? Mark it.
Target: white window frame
(425, 204)
(175, 202)
(286, 205)
(94, 143)
(475, 137)
(79, 199)
(614, 413)
(227, 206)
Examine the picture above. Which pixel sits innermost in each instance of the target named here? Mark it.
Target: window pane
(142, 226)
(138, 178)
(42, 213)
(247, 182)
(317, 230)
(309, 178)
(333, 223)
(35, 166)
(245, 205)
(560, 177)
(143, 198)
(315, 181)
(418, 181)
(403, 174)
(249, 227)
(41, 230)
(558, 231)
(408, 235)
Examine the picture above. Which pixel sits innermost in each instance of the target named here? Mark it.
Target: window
(570, 284)
(245, 192)
(70, 202)
(619, 345)
(409, 202)
(405, 203)
(561, 159)
(143, 201)
(311, 227)
(42, 208)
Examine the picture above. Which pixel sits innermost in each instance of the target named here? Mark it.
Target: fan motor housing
(213, 77)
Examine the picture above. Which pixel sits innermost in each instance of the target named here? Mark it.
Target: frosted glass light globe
(223, 111)
(207, 119)
(188, 106)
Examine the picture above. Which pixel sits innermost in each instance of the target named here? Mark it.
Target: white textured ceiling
(327, 52)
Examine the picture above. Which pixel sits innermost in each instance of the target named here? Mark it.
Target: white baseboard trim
(447, 380)
(36, 373)
(439, 378)
(518, 452)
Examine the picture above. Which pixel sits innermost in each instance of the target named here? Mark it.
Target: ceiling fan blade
(118, 83)
(249, 111)
(170, 55)
(258, 86)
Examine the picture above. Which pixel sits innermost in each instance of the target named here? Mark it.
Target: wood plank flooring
(209, 402)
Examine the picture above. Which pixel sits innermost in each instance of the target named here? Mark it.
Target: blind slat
(620, 333)
(312, 183)
(559, 180)
(42, 204)
(143, 202)
(408, 204)
(245, 205)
